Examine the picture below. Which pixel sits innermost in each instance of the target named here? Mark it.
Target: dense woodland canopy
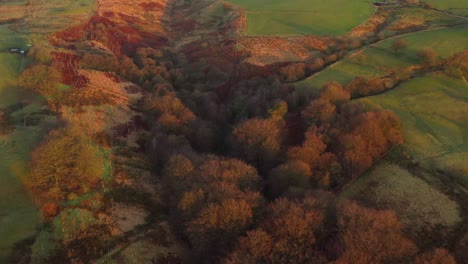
(248, 179)
(247, 169)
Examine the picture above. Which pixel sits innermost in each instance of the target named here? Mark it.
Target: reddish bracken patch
(50, 209)
(71, 34)
(68, 64)
(128, 18)
(120, 39)
(151, 6)
(108, 14)
(115, 78)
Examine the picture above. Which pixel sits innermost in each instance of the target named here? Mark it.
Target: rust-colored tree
(370, 236)
(399, 44)
(66, 163)
(259, 140)
(319, 112)
(287, 235)
(218, 226)
(335, 93)
(215, 200)
(373, 135)
(42, 79)
(428, 56)
(435, 256)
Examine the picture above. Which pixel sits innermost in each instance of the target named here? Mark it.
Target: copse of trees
(65, 164)
(335, 93)
(294, 72)
(457, 65)
(360, 86)
(286, 235)
(428, 56)
(172, 115)
(259, 140)
(40, 54)
(41, 79)
(371, 236)
(373, 134)
(308, 166)
(216, 200)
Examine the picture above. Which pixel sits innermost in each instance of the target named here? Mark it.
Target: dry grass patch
(13, 12)
(418, 204)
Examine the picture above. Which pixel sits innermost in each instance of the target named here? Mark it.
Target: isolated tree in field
(399, 44)
(41, 79)
(428, 56)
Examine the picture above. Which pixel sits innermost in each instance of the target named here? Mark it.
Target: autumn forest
(174, 131)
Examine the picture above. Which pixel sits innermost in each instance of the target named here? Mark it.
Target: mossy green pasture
(454, 6)
(434, 113)
(379, 59)
(295, 17)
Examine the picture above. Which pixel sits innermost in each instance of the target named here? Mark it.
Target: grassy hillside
(434, 112)
(17, 211)
(379, 59)
(455, 6)
(18, 215)
(266, 17)
(417, 203)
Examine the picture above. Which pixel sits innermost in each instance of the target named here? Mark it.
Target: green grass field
(416, 202)
(18, 217)
(455, 6)
(379, 59)
(10, 39)
(17, 210)
(434, 109)
(295, 17)
(434, 113)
